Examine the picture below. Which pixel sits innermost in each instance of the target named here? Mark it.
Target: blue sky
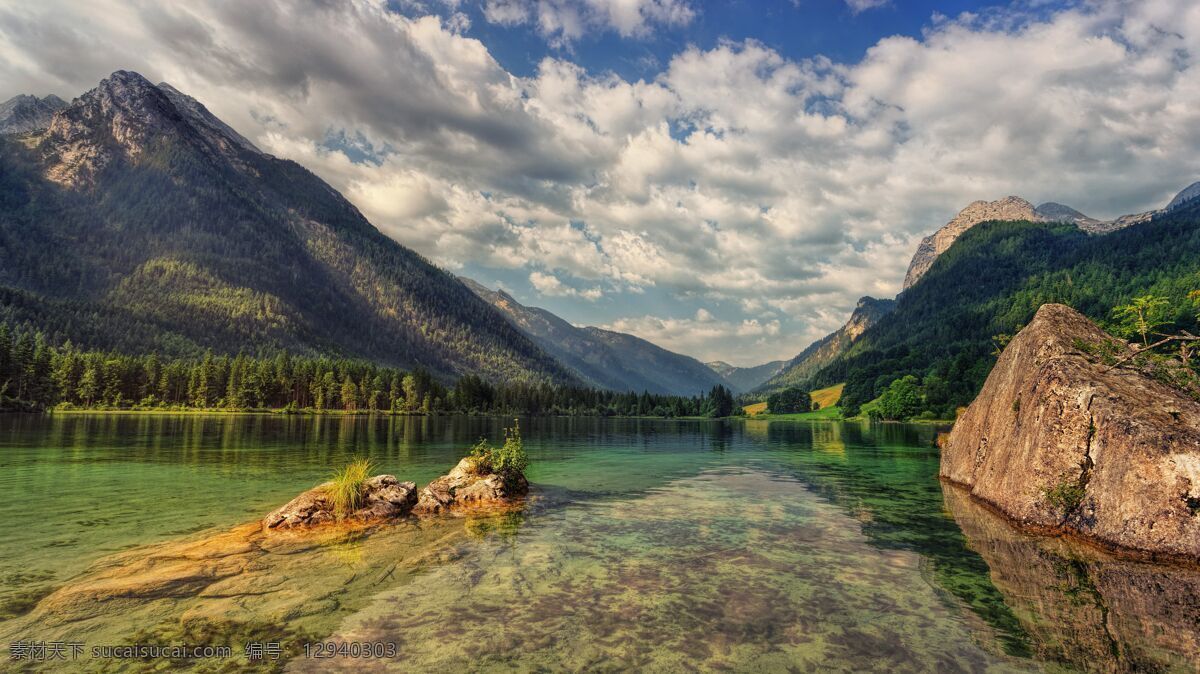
(797, 30)
(724, 179)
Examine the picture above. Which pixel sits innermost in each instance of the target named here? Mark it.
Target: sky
(723, 179)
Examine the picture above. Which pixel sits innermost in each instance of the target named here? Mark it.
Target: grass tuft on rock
(509, 461)
(1066, 495)
(348, 485)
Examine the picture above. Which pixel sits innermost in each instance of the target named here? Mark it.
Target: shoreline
(1073, 536)
(310, 413)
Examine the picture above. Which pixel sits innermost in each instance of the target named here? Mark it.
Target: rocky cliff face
(124, 117)
(27, 114)
(1008, 208)
(1059, 441)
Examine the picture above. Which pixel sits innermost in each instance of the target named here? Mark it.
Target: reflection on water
(646, 544)
(1083, 607)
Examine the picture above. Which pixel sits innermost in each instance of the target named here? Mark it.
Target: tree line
(35, 375)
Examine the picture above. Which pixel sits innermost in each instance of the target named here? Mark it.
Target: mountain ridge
(24, 113)
(747, 378)
(604, 358)
(1015, 208)
(796, 372)
(153, 209)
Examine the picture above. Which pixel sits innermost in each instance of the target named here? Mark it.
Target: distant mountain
(992, 280)
(25, 113)
(1053, 212)
(603, 358)
(1185, 196)
(746, 378)
(137, 221)
(1017, 209)
(824, 351)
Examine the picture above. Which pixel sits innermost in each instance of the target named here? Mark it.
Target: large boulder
(384, 497)
(468, 484)
(1058, 440)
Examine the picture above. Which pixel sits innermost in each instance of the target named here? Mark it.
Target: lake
(650, 545)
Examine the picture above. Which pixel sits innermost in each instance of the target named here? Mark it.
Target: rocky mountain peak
(26, 114)
(866, 312)
(1008, 208)
(217, 131)
(121, 118)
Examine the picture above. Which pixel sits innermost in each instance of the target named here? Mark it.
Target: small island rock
(1058, 440)
(384, 497)
(467, 484)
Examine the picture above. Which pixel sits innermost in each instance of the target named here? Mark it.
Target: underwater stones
(467, 484)
(384, 497)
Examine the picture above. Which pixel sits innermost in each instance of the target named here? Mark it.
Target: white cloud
(703, 336)
(737, 178)
(506, 12)
(564, 21)
(857, 6)
(550, 286)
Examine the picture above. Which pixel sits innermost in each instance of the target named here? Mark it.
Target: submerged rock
(384, 497)
(1057, 440)
(468, 484)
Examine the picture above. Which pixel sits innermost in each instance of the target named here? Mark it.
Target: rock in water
(1060, 441)
(467, 484)
(384, 497)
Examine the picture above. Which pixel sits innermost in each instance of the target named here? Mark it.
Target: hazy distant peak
(24, 113)
(1185, 195)
(1061, 213)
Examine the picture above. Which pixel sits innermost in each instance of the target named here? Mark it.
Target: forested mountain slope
(139, 222)
(603, 358)
(992, 280)
(824, 351)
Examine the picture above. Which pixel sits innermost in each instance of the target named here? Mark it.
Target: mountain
(993, 279)
(1054, 212)
(25, 114)
(1185, 196)
(1008, 208)
(603, 358)
(746, 378)
(138, 222)
(1016, 208)
(824, 351)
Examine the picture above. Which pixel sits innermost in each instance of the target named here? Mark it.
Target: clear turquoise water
(646, 545)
